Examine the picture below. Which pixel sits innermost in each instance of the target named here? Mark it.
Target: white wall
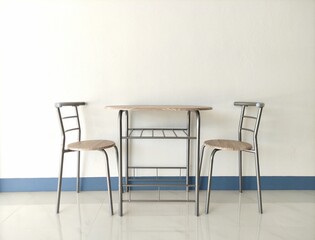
(203, 52)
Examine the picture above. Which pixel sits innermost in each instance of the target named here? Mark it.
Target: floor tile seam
(95, 218)
(20, 206)
(11, 214)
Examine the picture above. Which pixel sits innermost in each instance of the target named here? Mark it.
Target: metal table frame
(126, 133)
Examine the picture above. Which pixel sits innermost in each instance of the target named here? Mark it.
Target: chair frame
(64, 150)
(254, 150)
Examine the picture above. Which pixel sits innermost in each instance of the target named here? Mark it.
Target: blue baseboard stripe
(99, 183)
(267, 183)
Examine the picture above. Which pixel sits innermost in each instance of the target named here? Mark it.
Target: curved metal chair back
(69, 120)
(249, 120)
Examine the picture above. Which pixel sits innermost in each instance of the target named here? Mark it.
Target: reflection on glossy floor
(287, 215)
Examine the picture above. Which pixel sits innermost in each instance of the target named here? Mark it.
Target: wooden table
(126, 133)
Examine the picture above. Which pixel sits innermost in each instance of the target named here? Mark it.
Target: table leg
(188, 153)
(127, 152)
(197, 177)
(120, 206)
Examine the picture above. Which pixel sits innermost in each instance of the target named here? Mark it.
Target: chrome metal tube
(210, 179)
(109, 189)
(120, 206)
(197, 175)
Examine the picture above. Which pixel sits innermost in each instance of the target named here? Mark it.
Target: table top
(159, 107)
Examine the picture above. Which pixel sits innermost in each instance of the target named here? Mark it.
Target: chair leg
(117, 156)
(240, 167)
(109, 190)
(260, 209)
(60, 182)
(201, 161)
(209, 179)
(201, 158)
(78, 173)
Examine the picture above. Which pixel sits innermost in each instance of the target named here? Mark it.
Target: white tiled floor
(288, 215)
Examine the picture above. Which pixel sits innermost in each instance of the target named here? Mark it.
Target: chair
(249, 123)
(71, 128)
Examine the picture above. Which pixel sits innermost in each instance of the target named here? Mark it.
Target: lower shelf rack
(158, 133)
(158, 184)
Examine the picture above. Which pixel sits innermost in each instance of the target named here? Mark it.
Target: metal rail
(158, 133)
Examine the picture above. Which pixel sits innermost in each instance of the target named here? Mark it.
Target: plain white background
(199, 52)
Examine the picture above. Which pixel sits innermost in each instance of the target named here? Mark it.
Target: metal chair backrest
(69, 121)
(249, 120)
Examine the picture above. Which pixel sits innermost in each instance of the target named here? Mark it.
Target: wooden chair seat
(232, 145)
(89, 145)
